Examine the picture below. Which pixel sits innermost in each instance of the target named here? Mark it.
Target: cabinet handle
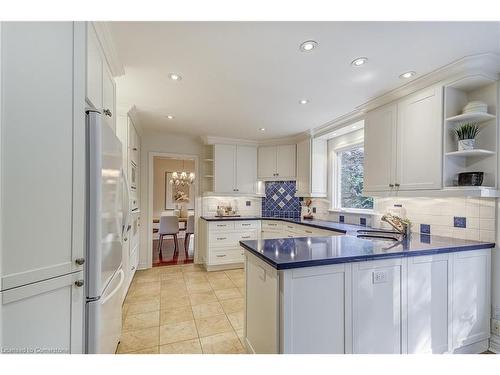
(245, 237)
(221, 225)
(107, 112)
(125, 239)
(80, 261)
(134, 149)
(396, 184)
(221, 238)
(245, 225)
(308, 231)
(133, 268)
(221, 256)
(79, 283)
(391, 185)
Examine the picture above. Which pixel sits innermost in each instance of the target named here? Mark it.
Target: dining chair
(189, 232)
(169, 226)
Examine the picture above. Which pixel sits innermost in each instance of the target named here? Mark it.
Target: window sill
(357, 211)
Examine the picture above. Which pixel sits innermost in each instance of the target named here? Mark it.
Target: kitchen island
(343, 294)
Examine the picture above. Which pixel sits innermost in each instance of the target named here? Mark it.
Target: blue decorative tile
(280, 200)
(459, 222)
(425, 228)
(341, 218)
(362, 221)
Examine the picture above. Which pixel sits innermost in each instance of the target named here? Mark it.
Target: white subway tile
(487, 235)
(487, 224)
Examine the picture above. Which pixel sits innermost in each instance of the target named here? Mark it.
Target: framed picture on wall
(171, 190)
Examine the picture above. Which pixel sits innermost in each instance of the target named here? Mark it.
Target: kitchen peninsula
(344, 294)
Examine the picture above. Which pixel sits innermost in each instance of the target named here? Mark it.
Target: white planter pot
(466, 144)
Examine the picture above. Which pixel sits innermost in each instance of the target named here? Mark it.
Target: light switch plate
(379, 277)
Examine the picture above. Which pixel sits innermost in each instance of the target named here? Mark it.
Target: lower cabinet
(424, 304)
(44, 317)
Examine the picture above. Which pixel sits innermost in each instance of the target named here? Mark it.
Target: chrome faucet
(402, 226)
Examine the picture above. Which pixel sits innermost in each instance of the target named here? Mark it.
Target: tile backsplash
(245, 206)
(459, 217)
(280, 200)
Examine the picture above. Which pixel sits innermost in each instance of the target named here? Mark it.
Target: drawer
(218, 225)
(249, 235)
(253, 224)
(216, 239)
(276, 225)
(223, 256)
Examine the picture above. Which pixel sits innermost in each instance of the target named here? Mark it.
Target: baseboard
(222, 267)
(495, 344)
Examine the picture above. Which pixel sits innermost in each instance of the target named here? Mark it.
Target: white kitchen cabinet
(44, 317)
(429, 304)
(420, 141)
(43, 150)
(377, 307)
(312, 160)
(100, 84)
(380, 149)
(403, 144)
(235, 168)
(277, 162)
(471, 297)
(94, 69)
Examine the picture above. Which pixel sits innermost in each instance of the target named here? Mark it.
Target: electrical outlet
(379, 277)
(495, 326)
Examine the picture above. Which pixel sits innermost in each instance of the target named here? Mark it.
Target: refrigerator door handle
(118, 287)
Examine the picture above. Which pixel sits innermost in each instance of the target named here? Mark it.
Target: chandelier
(182, 178)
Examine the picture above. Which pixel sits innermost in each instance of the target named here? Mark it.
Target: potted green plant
(466, 134)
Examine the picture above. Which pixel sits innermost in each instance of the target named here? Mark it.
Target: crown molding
(133, 113)
(339, 122)
(108, 47)
(211, 140)
(286, 140)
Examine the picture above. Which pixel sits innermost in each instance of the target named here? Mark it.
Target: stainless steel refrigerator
(107, 221)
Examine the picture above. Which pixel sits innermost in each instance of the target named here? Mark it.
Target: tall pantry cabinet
(42, 187)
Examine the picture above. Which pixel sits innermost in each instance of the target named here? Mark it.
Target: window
(349, 179)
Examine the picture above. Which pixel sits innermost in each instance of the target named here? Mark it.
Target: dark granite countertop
(289, 253)
(316, 251)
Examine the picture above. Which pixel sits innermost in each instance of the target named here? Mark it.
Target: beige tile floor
(184, 310)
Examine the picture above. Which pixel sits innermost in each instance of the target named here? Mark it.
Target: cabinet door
(420, 141)
(380, 149)
(304, 167)
(108, 98)
(43, 151)
(266, 162)
(285, 161)
(246, 169)
(314, 323)
(376, 307)
(319, 159)
(429, 304)
(133, 142)
(224, 165)
(471, 297)
(94, 69)
(44, 317)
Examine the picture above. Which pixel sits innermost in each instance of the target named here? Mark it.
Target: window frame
(335, 181)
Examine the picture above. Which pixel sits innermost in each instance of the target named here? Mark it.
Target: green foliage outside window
(351, 180)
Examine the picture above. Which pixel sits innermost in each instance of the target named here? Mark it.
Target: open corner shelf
(472, 116)
(475, 152)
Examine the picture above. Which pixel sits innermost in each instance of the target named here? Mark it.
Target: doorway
(174, 190)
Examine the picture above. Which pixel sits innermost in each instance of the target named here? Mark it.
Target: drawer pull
(221, 238)
(221, 225)
(308, 231)
(272, 225)
(245, 237)
(221, 256)
(245, 225)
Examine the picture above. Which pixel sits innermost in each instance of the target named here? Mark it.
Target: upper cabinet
(277, 162)
(312, 182)
(403, 144)
(100, 91)
(235, 169)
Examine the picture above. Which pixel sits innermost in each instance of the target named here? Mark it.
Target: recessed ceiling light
(308, 45)
(304, 101)
(170, 117)
(174, 77)
(262, 129)
(407, 75)
(359, 61)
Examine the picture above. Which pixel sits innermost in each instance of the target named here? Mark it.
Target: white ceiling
(241, 76)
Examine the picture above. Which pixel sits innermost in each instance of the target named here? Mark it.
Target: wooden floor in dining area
(168, 255)
(184, 310)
